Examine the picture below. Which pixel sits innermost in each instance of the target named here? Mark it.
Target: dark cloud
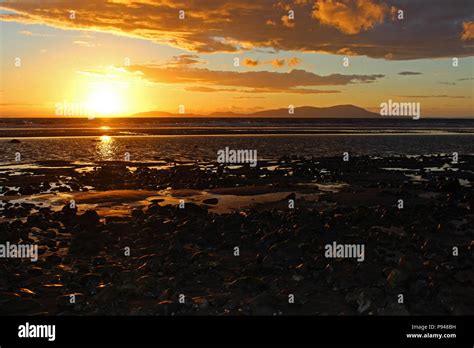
(184, 59)
(259, 90)
(407, 73)
(205, 80)
(358, 27)
(434, 96)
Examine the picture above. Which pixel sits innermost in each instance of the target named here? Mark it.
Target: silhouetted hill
(337, 111)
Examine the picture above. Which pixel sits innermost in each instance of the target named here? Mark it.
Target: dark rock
(86, 243)
(146, 282)
(263, 304)
(137, 214)
(419, 288)
(35, 271)
(211, 201)
(90, 279)
(248, 285)
(13, 304)
(107, 295)
(128, 290)
(64, 301)
(90, 218)
(283, 251)
(53, 259)
(397, 278)
(154, 209)
(193, 209)
(166, 307)
(67, 210)
(98, 261)
(200, 255)
(394, 309)
(151, 263)
(361, 299)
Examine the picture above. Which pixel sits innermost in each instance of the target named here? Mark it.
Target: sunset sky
(129, 56)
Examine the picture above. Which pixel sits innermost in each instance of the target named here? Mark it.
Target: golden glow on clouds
(350, 16)
(365, 27)
(468, 31)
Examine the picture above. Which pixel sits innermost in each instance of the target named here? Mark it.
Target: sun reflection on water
(105, 147)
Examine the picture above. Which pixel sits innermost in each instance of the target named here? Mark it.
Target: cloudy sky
(131, 56)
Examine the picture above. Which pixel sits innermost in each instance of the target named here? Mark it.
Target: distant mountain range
(337, 111)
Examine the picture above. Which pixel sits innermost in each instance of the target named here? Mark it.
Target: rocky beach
(203, 238)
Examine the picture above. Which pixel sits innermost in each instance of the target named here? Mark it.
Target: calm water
(109, 139)
(152, 122)
(149, 148)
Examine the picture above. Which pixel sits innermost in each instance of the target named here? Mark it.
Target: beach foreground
(240, 240)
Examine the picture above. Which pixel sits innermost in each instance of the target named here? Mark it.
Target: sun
(105, 99)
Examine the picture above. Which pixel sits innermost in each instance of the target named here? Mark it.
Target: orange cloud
(346, 51)
(294, 61)
(251, 62)
(270, 22)
(468, 31)
(350, 16)
(287, 22)
(277, 63)
(210, 89)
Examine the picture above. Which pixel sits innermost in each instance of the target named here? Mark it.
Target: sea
(199, 138)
